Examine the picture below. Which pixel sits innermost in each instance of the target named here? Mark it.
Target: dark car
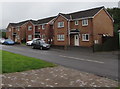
(40, 44)
(9, 42)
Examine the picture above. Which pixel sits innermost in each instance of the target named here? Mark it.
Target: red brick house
(42, 28)
(83, 28)
(27, 30)
(16, 31)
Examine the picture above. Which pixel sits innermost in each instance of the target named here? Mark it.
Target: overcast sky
(12, 12)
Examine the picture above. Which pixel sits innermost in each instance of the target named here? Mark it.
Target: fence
(109, 44)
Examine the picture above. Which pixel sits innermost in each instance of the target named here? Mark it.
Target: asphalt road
(103, 63)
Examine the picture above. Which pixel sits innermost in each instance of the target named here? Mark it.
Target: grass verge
(12, 62)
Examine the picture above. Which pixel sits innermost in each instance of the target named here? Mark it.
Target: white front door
(76, 40)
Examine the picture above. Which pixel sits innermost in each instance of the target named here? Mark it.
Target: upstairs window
(43, 26)
(76, 22)
(9, 29)
(18, 28)
(85, 37)
(85, 22)
(60, 24)
(29, 28)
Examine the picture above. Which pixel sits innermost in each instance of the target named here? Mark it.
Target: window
(29, 28)
(43, 36)
(60, 24)
(29, 37)
(60, 37)
(9, 37)
(9, 29)
(85, 37)
(43, 26)
(38, 27)
(85, 22)
(18, 28)
(76, 22)
(18, 37)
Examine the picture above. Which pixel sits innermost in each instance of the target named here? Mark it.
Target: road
(103, 63)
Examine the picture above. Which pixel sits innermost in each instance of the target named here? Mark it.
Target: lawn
(12, 62)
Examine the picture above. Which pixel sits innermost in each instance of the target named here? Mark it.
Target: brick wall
(102, 24)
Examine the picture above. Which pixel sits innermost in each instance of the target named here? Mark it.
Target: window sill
(76, 24)
(85, 40)
(60, 27)
(85, 25)
(60, 40)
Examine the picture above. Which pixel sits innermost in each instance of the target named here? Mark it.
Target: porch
(74, 37)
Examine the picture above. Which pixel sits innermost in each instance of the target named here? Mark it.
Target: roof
(75, 15)
(34, 22)
(18, 24)
(45, 20)
(82, 14)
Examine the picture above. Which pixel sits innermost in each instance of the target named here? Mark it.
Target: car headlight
(44, 45)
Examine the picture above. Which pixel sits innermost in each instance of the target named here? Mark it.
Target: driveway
(102, 64)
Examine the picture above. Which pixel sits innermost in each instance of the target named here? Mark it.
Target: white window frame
(84, 22)
(29, 37)
(29, 28)
(18, 37)
(84, 37)
(39, 27)
(76, 22)
(43, 26)
(9, 29)
(18, 28)
(60, 24)
(60, 37)
(43, 36)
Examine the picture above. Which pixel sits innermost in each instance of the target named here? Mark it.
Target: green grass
(12, 62)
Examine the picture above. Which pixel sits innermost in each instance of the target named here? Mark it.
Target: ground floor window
(18, 37)
(43, 36)
(29, 37)
(85, 37)
(60, 37)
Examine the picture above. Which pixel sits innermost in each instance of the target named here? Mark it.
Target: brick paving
(55, 77)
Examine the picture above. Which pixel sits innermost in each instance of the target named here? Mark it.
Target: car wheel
(33, 47)
(41, 48)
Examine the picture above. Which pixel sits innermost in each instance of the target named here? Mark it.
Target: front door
(76, 40)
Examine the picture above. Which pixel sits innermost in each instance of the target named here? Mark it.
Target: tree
(115, 13)
(3, 34)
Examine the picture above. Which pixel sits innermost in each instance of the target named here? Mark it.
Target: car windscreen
(9, 40)
(42, 42)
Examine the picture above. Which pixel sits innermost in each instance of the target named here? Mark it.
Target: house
(83, 28)
(42, 28)
(29, 29)
(16, 31)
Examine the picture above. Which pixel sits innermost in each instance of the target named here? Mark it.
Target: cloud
(19, 11)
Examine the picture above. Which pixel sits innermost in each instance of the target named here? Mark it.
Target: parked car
(2, 40)
(29, 43)
(40, 44)
(9, 42)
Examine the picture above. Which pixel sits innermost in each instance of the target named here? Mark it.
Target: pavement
(102, 63)
(55, 77)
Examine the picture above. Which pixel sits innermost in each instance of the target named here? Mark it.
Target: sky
(12, 12)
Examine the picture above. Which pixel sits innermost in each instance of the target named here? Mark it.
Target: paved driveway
(102, 64)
